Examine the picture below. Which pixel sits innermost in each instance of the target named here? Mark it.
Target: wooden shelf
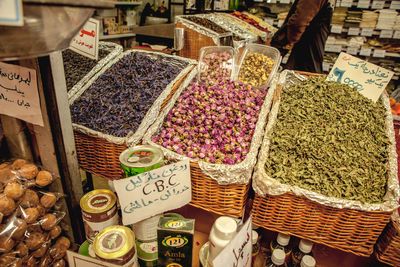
(120, 3)
(117, 36)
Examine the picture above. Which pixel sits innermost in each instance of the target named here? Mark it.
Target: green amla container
(147, 253)
(139, 159)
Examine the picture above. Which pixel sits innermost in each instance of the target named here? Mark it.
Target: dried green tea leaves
(330, 139)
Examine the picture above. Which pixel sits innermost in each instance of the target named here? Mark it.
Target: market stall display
(119, 103)
(218, 125)
(216, 62)
(303, 139)
(30, 234)
(79, 69)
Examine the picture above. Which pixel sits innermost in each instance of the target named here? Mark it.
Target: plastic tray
(229, 64)
(268, 51)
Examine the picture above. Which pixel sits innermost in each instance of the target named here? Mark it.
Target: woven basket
(346, 229)
(99, 156)
(388, 245)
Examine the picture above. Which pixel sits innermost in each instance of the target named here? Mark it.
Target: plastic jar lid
(254, 237)
(283, 239)
(305, 246)
(278, 257)
(225, 227)
(307, 261)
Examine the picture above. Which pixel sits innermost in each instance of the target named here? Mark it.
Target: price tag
(333, 48)
(352, 50)
(363, 4)
(386, 34)
(269, 21)
(280, 22)
(284, 1)
(336, 28)
(326, 66)
(395, 5)
(346, 3)
(338, 3)
(370, 80)
(153, 192)
(396, 35)
(238, 252)
(86, 42)
(11, 13)
(367, 32)
(379, 53)
(364, 51)
(272, 1)
(19, 96)
(378, 4)
(354, 31)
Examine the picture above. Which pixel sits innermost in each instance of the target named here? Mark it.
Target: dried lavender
(77, 66)
(118, 100)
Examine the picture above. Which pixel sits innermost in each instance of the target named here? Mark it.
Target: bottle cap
(225, 227)
(283, 239)
(305, 246)
(307, 261)
(254, 237)
(278, 257)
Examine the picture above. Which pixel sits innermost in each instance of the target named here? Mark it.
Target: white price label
(333, 48)
(272, 1)
(363, 4)
(336, 28)
(396, 35)
(338, 3)
(11, 13)
(352, 50)
(379, 53)
(346, 3)
(354, 31)
(367, 32)
(326, 66)
(284, 1)
(395, 5)
(378, 4)
(386, 34)
(364, 51)
(269, 21)
(280, 22)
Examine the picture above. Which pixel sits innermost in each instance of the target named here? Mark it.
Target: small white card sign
(11, 13)
(238, 252)
(153, 192)
(19, 96)
(78, 260)
(86, 42)
(369, 79)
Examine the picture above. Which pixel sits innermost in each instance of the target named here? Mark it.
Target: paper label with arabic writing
(86, 42)
(154, 192)
(369, 79)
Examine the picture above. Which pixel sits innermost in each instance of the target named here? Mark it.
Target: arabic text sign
(238, 252)
(78, 260)
(369, 79)
(153, 192)
(19, 95)
(86, 42)
(11, 13)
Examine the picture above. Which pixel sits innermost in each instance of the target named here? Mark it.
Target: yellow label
(174, 265)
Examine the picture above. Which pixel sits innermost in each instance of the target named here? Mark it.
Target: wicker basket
(347, 229)
(100, 156)
(388, 245)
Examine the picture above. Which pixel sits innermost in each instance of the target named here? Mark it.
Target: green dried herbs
(330, 139)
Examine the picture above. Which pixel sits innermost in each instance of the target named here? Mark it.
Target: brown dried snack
(22, 249)
(40, 252)
(57, 251)
(28, 171)
(59, 263)
(14, 190)
(55, 232)
(35, 240)
(7, 259)
(41, 209)
(7, 205)
(30, 261)
(4, 165)
(44, 178)
(17, 164)
(1, 217)
(20, 227)
(6, 243)
(30, 199)
(16, 263)
(48, 221)
(46, 261)
(63, 241)
(48, 200)
(30, 215)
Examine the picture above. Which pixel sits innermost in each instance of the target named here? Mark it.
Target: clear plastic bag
(216, 62)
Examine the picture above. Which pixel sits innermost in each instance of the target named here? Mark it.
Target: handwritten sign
(346, 3)
(395, 5)
(367, 32)
(369, 79)
(365, 51)
(396, 35)
(386, 34)
(238, 251)
(78, 260)
(363, 4)
(11, 13)
(352, 50)
(380, 53)
(354, 31)
(378, 4)
(336, 28)
(86, 42)
(19, 95)
(333, 48)
(153, 192)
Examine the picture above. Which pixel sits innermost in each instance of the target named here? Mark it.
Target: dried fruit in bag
(6, 243)
(28, 171)
(7, 205)
(48, 200)
(44, 178)
(30, 214)
(55, 232)
(17, 164)
(59, 263)
(14, 190)
(48, 221)
(30, 199)
(22, 249)
(35, 240)
(41, 251)
(17, 227)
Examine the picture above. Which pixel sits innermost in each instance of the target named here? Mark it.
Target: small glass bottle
(256, 245)
(282, 242)
(298, 253)
(307, 261)
(277, 259)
